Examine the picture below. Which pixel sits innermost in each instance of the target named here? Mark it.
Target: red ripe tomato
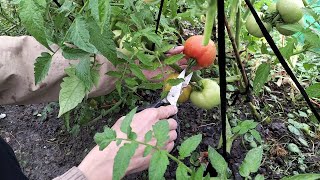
(204, 55)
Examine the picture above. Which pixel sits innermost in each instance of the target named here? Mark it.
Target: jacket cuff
(72, 174)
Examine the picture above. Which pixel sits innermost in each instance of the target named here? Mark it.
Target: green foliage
(122, 159)
(261, 77)
(189, 145)
(158, 165)
(105, 138)
(161, 131)
(251, 162)
(218, 163)
(303, 176)
(41, 67)
(314, 90)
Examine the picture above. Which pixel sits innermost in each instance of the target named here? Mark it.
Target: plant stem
(178, 161)
(238, 27)
(254, 111)
(238, 59)
(246, 13)
(158, 149)
(176, 67)
(276, 18)
(230, 79)
(211, 14)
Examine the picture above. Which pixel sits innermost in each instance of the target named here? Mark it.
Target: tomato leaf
(73, 53)
(251, 162)
(148, 137)
(161, 131)
(79, 35)
(114, 74)
(173, 59)
(100, 10)
(146, 60)
(189, 145)
(105, 138)
(31, 13)
(182, 172)
(218, 162)
(137, 72)
(303, 176)
(261, 78)
(158, 165)
(199, 173)
(71, 94)
(314, 90)
(125, 125)
(122, 159)
(103, 41)
(83, 72)
(256, 135)
(41, 67)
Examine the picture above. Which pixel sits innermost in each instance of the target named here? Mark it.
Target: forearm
(17, 57)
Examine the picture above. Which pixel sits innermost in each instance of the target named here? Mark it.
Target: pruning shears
(174, 93)
(172, 97)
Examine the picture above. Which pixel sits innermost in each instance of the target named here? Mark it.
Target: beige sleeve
(17, 57)
(72, 174)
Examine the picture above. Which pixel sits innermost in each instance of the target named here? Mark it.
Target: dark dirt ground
(45, 150)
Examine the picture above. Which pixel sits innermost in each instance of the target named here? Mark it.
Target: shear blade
(175, 91)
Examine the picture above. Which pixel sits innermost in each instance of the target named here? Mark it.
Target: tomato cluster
(279, 15)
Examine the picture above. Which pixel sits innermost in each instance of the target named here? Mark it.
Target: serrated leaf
(73, 53)
(101, 12)
(147, 151)
(41, 67)
(256, 135)
(126, 122)
(264, 49)
(287, 51)
(151, 35)
(144, 59)
(148, 137)
(182, 172)
(31, 13)
(251, 162)
(189, 145)
(137, 72)
(244, 127)
(95, 76)
(158, 165)
(218, 162)
(79, 35)
(122, 160)
(303, 177)
(261, 77)
(174, 82)
(161, 132)
(71, 94)
(131, 82)
(105, 138)
(312, 38)
(173, 59)
(83, 72)
(314, 90)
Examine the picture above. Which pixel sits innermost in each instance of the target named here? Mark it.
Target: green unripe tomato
(272, 8)
(253, 27)
(208, 97)
(290, 10)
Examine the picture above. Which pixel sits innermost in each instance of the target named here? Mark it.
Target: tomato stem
(246, 13)
(276, 18)
(238, 27)
(197, 86)
(211, 14)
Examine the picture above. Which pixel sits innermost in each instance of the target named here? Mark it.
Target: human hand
(99, 164)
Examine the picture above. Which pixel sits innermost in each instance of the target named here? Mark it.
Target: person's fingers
(170, 146)
(173, 125)
(164, 112)
(172, 136)
(176, 50)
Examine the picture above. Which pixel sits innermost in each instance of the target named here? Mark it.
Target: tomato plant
(185, 94)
